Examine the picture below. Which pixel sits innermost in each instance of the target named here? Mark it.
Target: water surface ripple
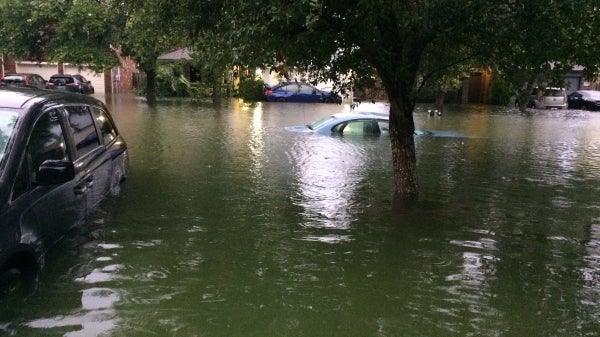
(229, 225)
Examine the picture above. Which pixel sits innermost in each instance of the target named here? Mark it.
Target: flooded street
(230, 225)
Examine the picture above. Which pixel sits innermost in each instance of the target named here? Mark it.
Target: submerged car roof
(20, 98)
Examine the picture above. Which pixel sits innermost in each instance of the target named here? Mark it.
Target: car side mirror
(53, 172)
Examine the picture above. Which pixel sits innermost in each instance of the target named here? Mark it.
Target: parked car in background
(299, 92)
(72, 83)
(60, 156)
(584, 99)
(23, 80)
(550, 98)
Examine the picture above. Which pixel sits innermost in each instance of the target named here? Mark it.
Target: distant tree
(83, 35)
(77, 32)
(347, 41)
(149, 28)
(535, 43)
(26, 27)
(153, 27)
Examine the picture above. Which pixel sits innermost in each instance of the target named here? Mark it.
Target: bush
(251, 89)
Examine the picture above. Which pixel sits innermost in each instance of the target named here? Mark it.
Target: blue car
(299, 92)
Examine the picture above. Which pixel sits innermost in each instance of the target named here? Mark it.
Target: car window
(384, 127)
(8, 120)
(107, 127)
(358, 128)
(290, 87)
(13, 79)
(307, 90)
(84, 131)
(353, 128)
(46, 142)
(554, 92)
(61, 80)
(37, 80)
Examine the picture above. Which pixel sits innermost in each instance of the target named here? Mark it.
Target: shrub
(251, 89)
(500, 92)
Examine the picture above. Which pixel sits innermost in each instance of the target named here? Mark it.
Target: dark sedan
(584, 99)
(60, 156)
(299, 92)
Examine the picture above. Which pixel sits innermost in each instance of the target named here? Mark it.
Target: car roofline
(23, 97)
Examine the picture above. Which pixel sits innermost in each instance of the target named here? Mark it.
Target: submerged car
(73, 83)
(347, 123)
(23, 80)
(299, 92)
(359, 123)
(60, 156)
(584, 99)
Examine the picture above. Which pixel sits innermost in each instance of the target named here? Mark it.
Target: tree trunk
(525, 99)
(439, 97)
(404, 160)
(216, 93)
(151, 86)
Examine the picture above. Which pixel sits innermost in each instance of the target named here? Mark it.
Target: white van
(552, 98)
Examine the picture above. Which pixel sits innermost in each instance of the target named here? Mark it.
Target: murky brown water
(231, 226)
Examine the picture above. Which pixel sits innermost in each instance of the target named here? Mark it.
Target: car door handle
(89, 181)
(84, 186)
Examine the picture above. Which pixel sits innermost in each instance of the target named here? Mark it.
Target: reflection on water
(230, 225)
(328, 173)
(97, 316)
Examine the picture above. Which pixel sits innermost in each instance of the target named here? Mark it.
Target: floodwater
(229, 225)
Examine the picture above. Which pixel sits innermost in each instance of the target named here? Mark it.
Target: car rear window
(8, 120)
(554, 92)
(61, 80)
(13, 80)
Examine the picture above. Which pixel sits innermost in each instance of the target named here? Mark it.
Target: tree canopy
(402, 43)
(408, 42)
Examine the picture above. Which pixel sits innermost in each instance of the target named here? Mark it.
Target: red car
(23, 80)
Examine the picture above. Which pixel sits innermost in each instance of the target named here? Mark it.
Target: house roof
(180, 54)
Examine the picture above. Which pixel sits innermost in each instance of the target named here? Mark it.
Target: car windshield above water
(319, 122)
(7, 124)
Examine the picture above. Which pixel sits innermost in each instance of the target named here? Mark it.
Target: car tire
(18, 278)
(280, 100)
